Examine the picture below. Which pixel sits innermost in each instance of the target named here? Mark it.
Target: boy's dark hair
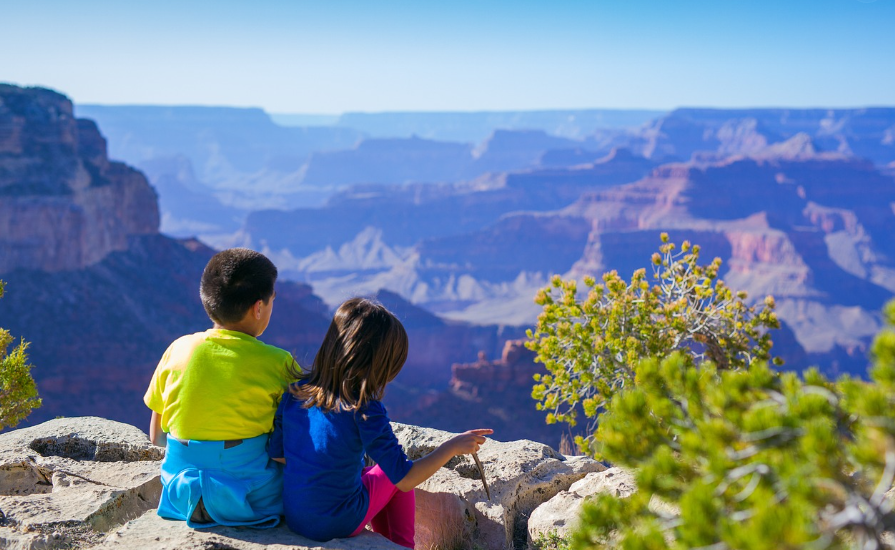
(363, 350)
(233, 281)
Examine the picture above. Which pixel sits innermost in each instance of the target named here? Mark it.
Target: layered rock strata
(491, 394)
(63, 204)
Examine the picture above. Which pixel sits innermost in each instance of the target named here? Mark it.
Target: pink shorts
(391, 512)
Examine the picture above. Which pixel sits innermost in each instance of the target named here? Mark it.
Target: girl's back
(323, 495)
(333, 415)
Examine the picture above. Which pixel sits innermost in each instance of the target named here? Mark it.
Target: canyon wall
(90, 282)
(63, 204)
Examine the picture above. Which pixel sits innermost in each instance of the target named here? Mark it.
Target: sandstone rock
(516, 367)
(63, 205)
(83, 438)
(452, 509)
(69, 481)
(151, 531)
(65, 481)
(558, 515)
(470, 399)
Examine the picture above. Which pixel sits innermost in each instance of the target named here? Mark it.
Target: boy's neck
(254, 321)
(239, 327)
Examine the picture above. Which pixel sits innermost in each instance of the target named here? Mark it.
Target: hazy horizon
(335, 115)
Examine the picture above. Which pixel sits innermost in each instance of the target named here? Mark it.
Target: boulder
(66, 481)
(558, 515)
(453, 510)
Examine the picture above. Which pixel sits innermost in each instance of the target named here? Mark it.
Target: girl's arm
(156, 434)
(465, 443)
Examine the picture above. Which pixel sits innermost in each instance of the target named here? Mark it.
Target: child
(213, 397)
(332, 416)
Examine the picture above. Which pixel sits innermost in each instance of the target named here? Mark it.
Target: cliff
(811, 231)
(862, 133)
(97, 333)
(92, 285)
(63, 204)
(515, 367)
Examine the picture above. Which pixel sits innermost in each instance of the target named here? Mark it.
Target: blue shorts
(237, 482)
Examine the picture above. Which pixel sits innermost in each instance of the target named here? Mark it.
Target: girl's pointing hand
(468, 442)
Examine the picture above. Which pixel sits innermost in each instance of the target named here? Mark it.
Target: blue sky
(331, 56)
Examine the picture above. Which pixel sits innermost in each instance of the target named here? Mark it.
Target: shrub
(592, 347)
(18, 392)
(750, 458)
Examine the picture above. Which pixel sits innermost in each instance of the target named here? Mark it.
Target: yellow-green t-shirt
(218, 385)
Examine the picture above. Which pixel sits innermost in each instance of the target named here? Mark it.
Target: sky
(334, 56)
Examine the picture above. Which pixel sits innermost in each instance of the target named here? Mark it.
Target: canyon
(99, 293)
(454, 224)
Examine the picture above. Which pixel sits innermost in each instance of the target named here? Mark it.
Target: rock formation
(63, 204)
(91, 284)
(515, 367)
(490, 394)
(811, 232)
(862, 133)
(93, 483)
(435, 343)
(558, 515)
(477, 126)
(65, 482)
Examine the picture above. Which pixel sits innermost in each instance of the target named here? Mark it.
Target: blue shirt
(323, 496)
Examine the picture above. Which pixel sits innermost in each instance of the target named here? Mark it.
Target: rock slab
(453, 510)
(151, 531)
(66, 481)
(558, 515)
(93, 483)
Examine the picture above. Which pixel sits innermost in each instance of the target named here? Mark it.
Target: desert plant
(18, 392)
(750, 458)
(591, 347)
(551, 540)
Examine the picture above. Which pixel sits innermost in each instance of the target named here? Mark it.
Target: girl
(332, 416)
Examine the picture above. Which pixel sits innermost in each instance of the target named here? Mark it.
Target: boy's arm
(275, 447)
(155, 401)
(156, 434)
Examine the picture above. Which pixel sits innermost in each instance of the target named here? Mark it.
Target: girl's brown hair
(364, 349)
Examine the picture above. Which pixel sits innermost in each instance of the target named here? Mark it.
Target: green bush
(18, 392)
(750, 459)
(550, 541)
(592, 347)
(727, 452)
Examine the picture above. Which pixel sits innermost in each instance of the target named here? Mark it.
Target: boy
(213, 397)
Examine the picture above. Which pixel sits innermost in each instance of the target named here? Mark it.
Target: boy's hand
(468, 442)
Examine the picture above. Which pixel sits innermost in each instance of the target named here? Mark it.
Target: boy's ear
(256, 309)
